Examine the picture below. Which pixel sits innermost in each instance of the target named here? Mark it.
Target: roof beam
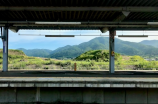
(82, 22)
(119, 18)
(90, 28)
(119, 9)
(85, 25)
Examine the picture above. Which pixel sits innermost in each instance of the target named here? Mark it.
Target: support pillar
(112, 34)
(5, 48)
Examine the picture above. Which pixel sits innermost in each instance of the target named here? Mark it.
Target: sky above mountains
(35, 39)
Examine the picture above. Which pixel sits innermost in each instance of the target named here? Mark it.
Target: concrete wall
(79, 95)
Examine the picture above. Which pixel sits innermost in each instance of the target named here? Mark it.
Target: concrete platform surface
(121, 79)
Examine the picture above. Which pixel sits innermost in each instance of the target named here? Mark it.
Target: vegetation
(102, 43)
(90, 60)
(97, 55)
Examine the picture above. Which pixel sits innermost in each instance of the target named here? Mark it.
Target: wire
(53, 34)
(79, 35)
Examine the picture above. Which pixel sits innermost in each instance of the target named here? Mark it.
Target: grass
(18, 60)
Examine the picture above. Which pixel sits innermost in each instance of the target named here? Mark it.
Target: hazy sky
(41, 42)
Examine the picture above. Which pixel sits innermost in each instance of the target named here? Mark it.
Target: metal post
(112, 34)
(75, 68)
(5, 48)
(38, 94)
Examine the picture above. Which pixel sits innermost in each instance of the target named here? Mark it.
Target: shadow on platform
(61, 73)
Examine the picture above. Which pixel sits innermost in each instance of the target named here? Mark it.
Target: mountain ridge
(36, 52)
(150, 42)
(99, 43)
(122, 47)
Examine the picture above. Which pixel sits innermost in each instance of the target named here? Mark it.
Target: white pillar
(5, 48)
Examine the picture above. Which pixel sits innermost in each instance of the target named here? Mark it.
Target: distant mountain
(74, 51)
(36, 52)
(144, 48)
(100, 43)
(150, 42)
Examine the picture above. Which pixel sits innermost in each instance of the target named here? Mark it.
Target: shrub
(16, 66)
(68, 62)
(48, 62)
(46, 68)
(48, 59)
(1, 61)
(92, 63)
(23, 65)
(38, 65)
(1, 56)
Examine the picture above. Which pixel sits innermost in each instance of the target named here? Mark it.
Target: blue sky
(38, 41)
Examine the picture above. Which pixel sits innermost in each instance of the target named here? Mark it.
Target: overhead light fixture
(104, 30)
(133, 36)
(152, 23)
(125, 13)
(59, 23)
(59, 35)
(14, 29)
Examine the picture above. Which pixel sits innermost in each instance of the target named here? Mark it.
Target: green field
(91, 60)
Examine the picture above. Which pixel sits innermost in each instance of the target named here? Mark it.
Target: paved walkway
(121, 79)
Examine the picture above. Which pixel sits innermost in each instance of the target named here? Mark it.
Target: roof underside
(93, 14)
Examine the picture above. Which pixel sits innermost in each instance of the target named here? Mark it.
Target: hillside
(76, 50)
(18, 60)
(91, 60)
(150, 42)
(97, 55)
(147, 48)
(36, 52)
(12, 54)
(101, 43)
